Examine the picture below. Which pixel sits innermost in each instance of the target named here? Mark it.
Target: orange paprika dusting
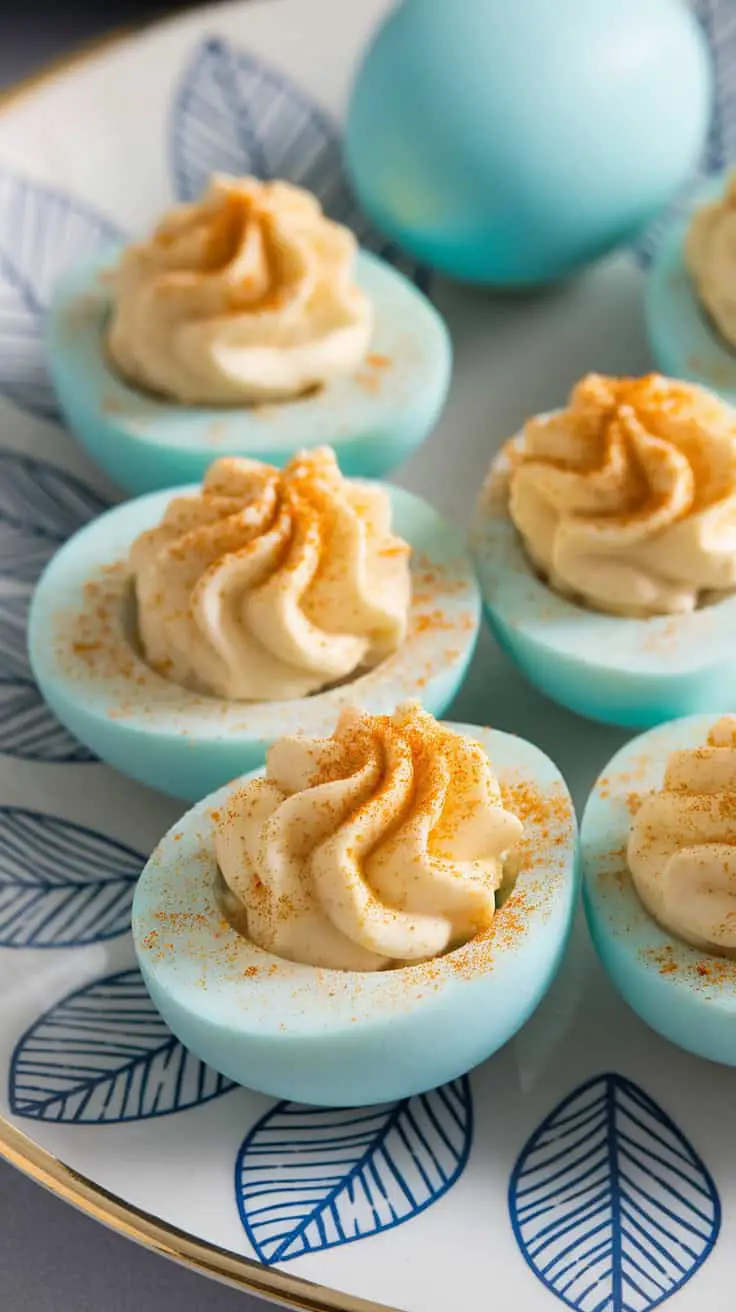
(94, 637)
(435, 759)
(604, 419)
(399, 549)
(708, 973)
(435, 620)
(180, 920)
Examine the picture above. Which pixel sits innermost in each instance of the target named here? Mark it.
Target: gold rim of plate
(41, 1165)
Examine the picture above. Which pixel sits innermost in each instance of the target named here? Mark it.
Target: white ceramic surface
(488, 1191)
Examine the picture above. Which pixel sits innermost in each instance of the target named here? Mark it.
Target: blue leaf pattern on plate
(104, 1055)
(42, 232)
(610, 1205)
(310, 1178)
(235, 113)
(718, 19)
(28, 728)
(40, 507)
(61, 885)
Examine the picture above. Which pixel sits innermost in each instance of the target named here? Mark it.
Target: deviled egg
(659, 863)
(248, 323)
(181, 633)
(373, 916)
(605, 543)
(690, 293)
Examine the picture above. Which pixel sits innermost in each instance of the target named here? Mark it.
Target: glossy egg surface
(511, 141)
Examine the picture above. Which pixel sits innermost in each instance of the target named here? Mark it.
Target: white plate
(423, 1206)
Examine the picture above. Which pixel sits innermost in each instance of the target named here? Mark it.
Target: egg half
(88, 664)
(683, 340)
(687, 994)
(629, 671)
(341, 1038)
(373, 417)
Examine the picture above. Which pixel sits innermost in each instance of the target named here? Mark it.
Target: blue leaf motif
(610, 1205)
(104, 1055)
(235, 113)
(61, 885)
(718, 21)
(42, 232)
(40, 507)
(27, 727)
(311, 1178)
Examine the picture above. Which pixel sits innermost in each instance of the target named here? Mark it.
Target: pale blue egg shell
(633, 672)
(685, 994)
(335, 1038)
(683, 341)
(510, 141)
(94, 679)
(374, 417)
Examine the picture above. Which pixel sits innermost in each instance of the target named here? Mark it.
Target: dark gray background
(33, 32)
(53, 1259)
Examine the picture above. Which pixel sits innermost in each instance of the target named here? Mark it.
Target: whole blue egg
(512, 141)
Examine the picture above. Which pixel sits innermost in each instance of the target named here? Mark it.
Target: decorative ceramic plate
(589, 1163)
